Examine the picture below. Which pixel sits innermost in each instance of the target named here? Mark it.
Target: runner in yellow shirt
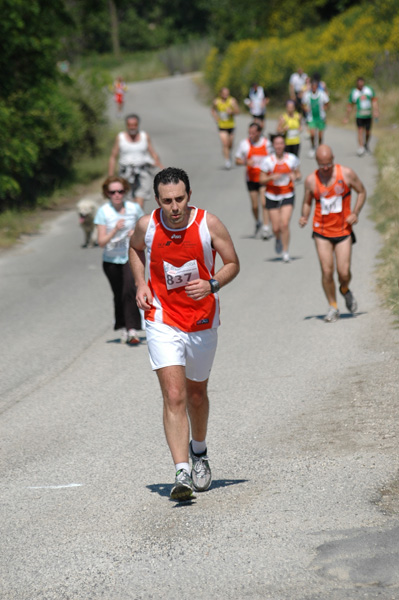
(224, 107)
(290, 126)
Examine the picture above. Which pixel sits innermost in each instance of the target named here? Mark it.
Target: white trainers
(361, 150)
(332, 315)
(132, 337)
(312, 153)
(350, 301)
(123, 335)
(266, 232)
(286, 257)
(227, 164)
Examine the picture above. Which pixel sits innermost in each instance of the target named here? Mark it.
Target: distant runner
(137, 157)
(330, 186)
(365, 100)
(290, 126)
(224, 108)
(279, 172)
(250, 153)
(315, 102)
(257, 101)
(119, 89)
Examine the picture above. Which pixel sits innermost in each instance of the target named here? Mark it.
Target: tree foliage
(46, 119)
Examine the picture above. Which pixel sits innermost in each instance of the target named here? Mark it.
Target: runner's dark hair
(132, 116)
(171, 175)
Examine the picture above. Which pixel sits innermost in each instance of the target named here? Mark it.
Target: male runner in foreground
(181, 305)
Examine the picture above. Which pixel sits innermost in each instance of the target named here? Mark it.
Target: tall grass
(385, 213)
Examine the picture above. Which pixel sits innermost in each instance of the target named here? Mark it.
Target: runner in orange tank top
(280, 171)
(330, 186)
(181, 307)
(250, 153)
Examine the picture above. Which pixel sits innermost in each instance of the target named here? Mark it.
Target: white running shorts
(170, 346)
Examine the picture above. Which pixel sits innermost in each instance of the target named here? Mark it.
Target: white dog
(87, 208)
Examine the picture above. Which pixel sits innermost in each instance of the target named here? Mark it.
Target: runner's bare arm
(240, 160)
(153, 154)
(137, 263)
(223, 244)
(354, 182)
(349, 108)
(214, 112)
(296, 175)
(113, 158)
(235, 108)
(307, 200)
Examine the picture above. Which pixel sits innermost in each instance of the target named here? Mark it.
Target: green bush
(342, 50)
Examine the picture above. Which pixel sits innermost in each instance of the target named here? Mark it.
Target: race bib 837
(176, 277)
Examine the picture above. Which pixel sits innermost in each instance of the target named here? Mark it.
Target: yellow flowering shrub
(341, 51)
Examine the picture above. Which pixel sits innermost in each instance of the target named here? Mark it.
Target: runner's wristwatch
(215, 286)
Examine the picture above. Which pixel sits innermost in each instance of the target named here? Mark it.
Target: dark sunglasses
(112, 192)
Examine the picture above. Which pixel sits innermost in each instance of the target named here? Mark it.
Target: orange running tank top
(283, 187)
(255, 152)
(333, 206)
(175, 257)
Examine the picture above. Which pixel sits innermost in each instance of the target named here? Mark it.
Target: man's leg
(253, 194)
(225, 139)
(360, 136)
(198, 408)
(174, 391)
(343, 253)
(325, 251)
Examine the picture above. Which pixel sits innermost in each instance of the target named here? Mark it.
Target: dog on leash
(87, 208)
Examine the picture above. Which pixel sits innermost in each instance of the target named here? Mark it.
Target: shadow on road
(164, 489)
(280, 259)
(341, 316)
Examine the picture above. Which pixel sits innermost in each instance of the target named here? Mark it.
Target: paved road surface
(303, 427)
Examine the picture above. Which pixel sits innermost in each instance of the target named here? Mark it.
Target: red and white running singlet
(333, 206)
(175, 257)
(256, 153)
(283, 187)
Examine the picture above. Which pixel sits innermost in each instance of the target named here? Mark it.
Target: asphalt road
(303, 428)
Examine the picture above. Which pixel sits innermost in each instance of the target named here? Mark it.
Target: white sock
(184, 466)
(198, 447)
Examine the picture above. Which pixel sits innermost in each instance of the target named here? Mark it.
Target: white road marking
(54, 487)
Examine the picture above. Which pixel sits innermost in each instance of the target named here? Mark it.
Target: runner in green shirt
(363, 97)
(315, 102)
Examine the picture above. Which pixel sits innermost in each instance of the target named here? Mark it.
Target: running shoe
(286, 257)
(312, 153)
(258, 225)
(266, 232)
(278, 246)
(227, 164)
(201, 471)
(133, 337)
(124, 335)
(183, 488)
(361, 150)
(332, 315)
(350, 301)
